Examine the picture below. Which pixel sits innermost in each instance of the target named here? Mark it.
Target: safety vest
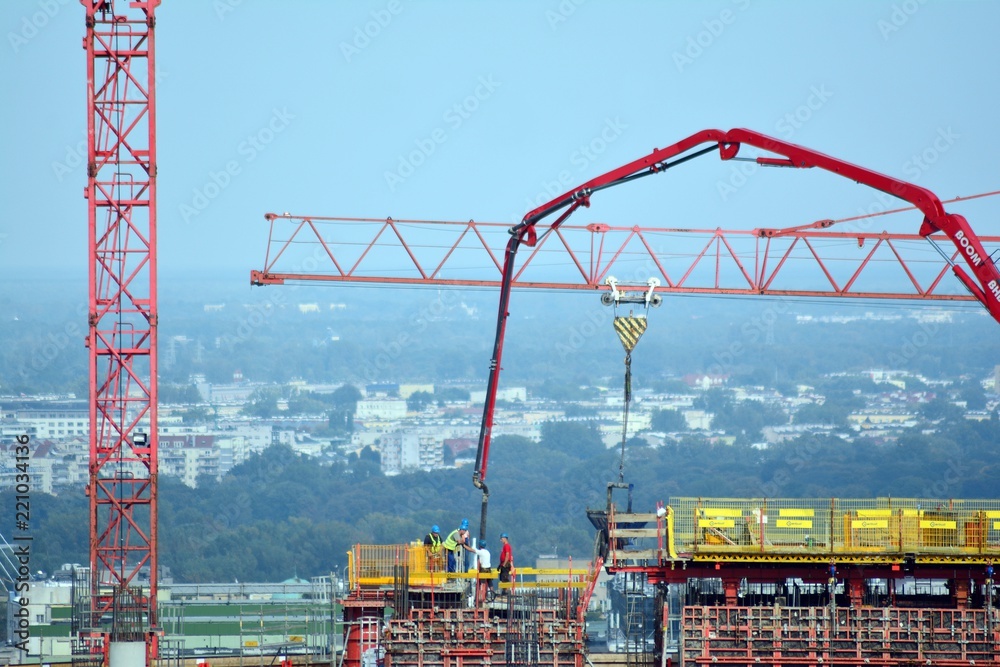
(451, 542)
(435, 542)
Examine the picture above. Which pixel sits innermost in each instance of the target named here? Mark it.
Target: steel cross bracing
(121, 198)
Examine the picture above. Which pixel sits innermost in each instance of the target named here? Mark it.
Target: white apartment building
(380, 409)
(188, 457)
(55, 423)
(410, 451)
(509, 394)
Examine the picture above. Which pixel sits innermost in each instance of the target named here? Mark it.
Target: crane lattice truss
(121, 198)
(813, 260)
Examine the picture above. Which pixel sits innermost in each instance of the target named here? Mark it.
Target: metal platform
(880, 531)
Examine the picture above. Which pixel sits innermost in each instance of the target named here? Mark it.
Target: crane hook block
(616, 296)
(630, 330)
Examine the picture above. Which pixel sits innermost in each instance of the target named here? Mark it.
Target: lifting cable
(629, 329)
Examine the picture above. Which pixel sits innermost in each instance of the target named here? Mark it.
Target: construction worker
(506, 563)
(433, 544)
(484, 564)
(456, 544)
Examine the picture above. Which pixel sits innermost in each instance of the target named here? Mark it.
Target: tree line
(279, 514)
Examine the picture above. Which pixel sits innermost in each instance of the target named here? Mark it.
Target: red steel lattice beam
(121, 201)
(707, 261)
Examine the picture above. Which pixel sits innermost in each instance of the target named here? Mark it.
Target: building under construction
(759, 582)
(402, 610)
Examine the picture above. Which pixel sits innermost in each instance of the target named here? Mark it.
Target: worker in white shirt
(485, 564)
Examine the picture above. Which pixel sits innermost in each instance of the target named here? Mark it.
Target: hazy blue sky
(513, 96)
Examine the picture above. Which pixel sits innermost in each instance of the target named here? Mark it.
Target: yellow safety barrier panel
(839, 527)
(379, 566)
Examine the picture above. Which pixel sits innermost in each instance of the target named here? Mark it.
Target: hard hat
(503, 535)
(435, 529)
(482, 545)
(465, 524)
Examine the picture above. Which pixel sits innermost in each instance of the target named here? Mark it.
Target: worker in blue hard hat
(435, 550)
(455, 545)
(484, 588)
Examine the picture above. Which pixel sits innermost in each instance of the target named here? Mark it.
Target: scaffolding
(89, 644)
(401, 610)
(813, 636)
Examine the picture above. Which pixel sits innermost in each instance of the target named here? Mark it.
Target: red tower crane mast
(724, 262)
(122, 322)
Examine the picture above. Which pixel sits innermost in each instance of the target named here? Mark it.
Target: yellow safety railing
(837, 526)
(376, 566)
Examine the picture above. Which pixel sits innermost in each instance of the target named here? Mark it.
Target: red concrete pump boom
(983, 283)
